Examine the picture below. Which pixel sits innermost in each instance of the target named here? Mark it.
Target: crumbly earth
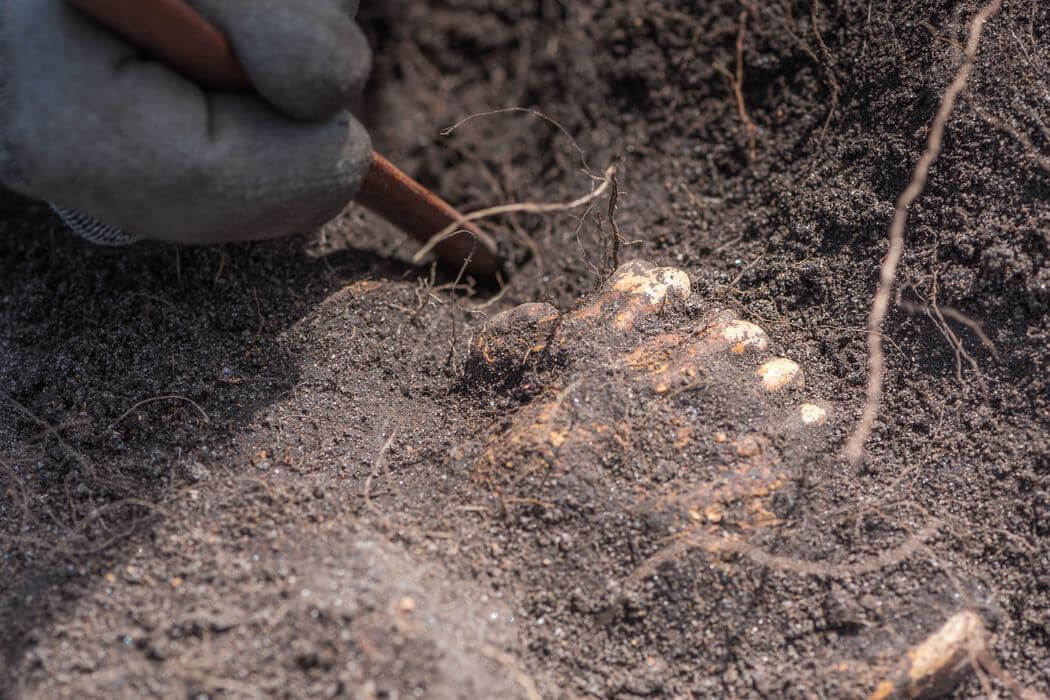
(306, 468)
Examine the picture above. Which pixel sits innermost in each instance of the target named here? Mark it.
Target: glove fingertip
(308, 59)
(327, 85)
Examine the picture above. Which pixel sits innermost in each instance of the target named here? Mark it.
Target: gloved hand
(88, 123)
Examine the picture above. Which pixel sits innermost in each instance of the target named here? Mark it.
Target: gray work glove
(92, 125)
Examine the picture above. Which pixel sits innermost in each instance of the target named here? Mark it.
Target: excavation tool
(178, 35)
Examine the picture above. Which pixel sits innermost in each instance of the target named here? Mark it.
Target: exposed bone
(780, 373)
(933, 667)
(812, 414)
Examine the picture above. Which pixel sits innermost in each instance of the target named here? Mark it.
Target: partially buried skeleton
(667, 434)
(692, 416)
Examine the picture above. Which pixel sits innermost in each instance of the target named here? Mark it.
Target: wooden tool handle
(179, 36)
(176, 34)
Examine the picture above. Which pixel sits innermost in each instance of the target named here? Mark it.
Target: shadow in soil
(119, 370)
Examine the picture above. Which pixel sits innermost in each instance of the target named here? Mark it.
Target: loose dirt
(307, 468)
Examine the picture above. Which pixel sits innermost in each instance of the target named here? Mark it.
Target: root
(500, 189)
(983, 661)
(883, 560)
(18, 488)
(719, 545)
(49, 430)
(555, 123)
(736, 82)
(73, 547)
(826, 65)
(379, 463)
(1028, 148)
(888, 272)
(583, 249)
(527, 207)
(611, 253)
(974, 326)
(524, 680)
(451, 359)
(937, 314)
(173, 397)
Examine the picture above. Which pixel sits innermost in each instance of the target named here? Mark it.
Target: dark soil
(280, 470)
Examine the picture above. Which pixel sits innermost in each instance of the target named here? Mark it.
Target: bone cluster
(672, 360)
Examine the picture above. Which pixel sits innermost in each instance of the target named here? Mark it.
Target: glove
(88, 123)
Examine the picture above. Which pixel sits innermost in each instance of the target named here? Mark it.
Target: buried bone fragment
(743, 335)
(933, 667)
(656, 283)
(812, 414)
(779, 373)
